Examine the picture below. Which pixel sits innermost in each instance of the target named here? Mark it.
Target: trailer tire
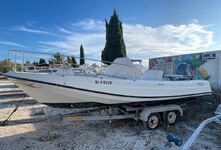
(171, 117)
(153, 121)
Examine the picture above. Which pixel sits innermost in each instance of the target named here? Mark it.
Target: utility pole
(15, 60)
(23, 59)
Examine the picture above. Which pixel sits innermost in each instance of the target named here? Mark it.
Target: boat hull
(51, 88)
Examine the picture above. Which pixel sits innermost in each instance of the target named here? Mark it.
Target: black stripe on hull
(99, 92)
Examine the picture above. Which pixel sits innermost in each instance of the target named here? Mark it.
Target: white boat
(121, 82)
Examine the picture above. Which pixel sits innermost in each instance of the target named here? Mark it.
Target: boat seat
(152, 75)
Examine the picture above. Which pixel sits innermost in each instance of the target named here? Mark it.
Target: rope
(45, 119)
(16, 108)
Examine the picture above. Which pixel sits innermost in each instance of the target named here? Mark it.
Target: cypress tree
(115, 46)
(82, 61)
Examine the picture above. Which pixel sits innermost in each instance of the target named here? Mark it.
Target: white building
(205, 65)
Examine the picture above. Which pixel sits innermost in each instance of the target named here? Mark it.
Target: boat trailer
(151, 116)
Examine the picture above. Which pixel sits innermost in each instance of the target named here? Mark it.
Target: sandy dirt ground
(99, 135)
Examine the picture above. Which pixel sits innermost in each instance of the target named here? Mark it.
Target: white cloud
(93, 44)
(90, 24)
(141, 41)
(29, 30)
(11, 43)
(29, 23)
(168, 39)
(63, 30)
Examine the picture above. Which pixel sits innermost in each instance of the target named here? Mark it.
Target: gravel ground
(119, 134)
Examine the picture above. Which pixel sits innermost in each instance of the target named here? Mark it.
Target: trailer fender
(145, 113)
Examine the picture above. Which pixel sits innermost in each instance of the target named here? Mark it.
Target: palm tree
(58, 58)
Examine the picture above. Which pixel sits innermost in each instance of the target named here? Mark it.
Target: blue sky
(151, 28)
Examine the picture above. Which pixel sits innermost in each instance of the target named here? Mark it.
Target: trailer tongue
(152, 116)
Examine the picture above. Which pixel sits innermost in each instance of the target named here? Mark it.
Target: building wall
(205, 65)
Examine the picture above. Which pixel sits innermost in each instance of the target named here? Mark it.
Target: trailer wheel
(171, 117)
(153, 121)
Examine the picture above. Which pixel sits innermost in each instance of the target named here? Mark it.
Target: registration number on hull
(102, 82)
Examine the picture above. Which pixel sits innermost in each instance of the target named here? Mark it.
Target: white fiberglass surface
(123, 87)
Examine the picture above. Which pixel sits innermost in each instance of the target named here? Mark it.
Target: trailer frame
(137, 113)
